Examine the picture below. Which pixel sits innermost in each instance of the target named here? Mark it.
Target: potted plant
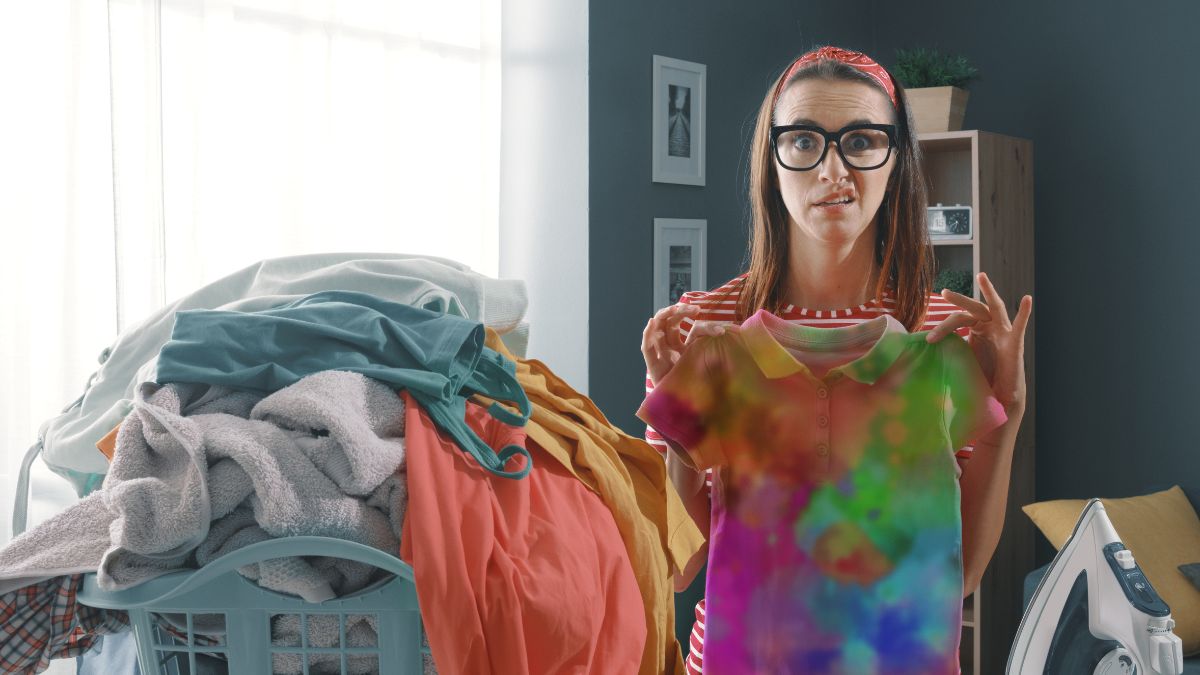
(959, 281)
(935, 84)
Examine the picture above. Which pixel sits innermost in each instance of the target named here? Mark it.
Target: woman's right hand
(661, 343)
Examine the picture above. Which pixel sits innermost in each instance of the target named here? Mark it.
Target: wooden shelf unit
(993, 174)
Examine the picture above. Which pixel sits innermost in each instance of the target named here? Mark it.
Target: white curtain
(56, 217)
(294, 127)
(224, 132)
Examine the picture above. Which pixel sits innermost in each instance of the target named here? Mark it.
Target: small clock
(949, 222)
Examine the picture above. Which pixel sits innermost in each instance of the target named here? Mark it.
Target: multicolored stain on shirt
(836, 541)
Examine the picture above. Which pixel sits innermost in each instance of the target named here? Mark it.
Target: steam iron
(1095, 612)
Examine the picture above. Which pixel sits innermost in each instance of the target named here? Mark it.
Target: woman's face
(833, 104)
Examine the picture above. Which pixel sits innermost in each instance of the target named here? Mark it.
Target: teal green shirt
(440, 358)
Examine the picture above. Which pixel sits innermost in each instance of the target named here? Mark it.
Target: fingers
(661, 334)
(1024, 311)
(950, 324)
(671, 324)
(703, 328)
(994, 300)
(976, 308)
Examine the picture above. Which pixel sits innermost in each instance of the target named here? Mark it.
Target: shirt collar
(886, 335)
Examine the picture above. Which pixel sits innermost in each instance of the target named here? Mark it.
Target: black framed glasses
(802, 147)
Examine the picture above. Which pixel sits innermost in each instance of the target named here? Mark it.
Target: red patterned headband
(858, 60)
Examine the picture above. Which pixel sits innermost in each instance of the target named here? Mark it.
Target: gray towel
(157, 486)
(350, 426)
(361, 631)
(391, 497)
(323, 631)
(289, 575)
(320, 458)
(70, 542)
(228, 486)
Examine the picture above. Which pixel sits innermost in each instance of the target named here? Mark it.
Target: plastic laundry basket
(169, 615)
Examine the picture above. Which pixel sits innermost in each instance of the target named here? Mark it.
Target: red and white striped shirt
(719, 306)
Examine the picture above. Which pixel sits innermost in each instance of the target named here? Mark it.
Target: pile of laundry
(385, 422)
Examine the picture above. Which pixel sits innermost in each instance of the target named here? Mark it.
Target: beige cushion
(1163, 532)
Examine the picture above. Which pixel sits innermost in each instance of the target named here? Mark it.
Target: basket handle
(285, 547)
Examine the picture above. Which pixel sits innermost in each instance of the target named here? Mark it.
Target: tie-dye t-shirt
(836, 535)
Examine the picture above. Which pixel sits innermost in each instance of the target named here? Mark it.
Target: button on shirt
(836, 537)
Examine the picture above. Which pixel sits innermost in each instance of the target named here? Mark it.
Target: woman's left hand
(999, 344)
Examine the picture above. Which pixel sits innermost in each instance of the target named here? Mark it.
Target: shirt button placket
(823, 439)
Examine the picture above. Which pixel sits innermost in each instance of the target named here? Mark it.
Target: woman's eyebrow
(813, 123)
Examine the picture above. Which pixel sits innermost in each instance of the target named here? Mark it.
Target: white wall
(544, 175)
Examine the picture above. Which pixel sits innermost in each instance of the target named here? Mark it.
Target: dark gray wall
(1105, 91)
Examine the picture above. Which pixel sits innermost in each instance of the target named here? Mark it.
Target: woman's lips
(834, 208)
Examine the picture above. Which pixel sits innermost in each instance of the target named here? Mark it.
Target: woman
(839, 237)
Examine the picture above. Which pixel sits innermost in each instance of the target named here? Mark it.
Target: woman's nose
(832, 167)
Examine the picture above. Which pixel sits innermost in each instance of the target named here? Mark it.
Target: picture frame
(679, 120)
(950, 222)
(680, 258)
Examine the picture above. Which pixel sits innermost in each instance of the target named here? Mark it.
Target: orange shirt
(631, 479)
(514, 576)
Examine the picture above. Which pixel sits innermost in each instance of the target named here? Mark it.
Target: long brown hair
(902, 246)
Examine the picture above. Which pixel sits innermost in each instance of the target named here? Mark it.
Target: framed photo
(679, 259)
(678, 125)
(949, 222)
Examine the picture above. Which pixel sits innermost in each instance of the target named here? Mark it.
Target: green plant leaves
(922, 67)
